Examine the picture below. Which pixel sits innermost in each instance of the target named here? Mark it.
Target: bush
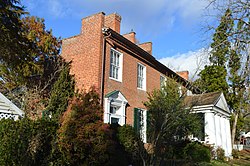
(131, 143)
(235, 153)
(83, 138)
(220, 154)
(197, 152)
(26, 142)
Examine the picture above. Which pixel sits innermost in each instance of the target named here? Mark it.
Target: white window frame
(116, 101)
(180, 90)
(162, 78)
(143, 125)
(115, 66)
(141, 76)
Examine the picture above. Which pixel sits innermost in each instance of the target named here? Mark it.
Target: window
(162, 81)
(114, 120)
(140, 123)
(141, 76)
(113, 109)
(115, 65)
(180, 90)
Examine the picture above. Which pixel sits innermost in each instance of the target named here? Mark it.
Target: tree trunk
(234, 128)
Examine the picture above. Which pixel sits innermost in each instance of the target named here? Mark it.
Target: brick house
(122, 70)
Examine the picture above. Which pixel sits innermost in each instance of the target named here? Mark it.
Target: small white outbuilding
(8, 109)
(216, 119)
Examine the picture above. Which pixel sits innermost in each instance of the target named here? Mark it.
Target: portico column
(106, 110)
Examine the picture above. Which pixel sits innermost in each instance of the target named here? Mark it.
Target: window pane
(112, 110)
(112, 57)
(116, 72)
(162, 81)
(114, 120)
(111, 75)
(117, 61)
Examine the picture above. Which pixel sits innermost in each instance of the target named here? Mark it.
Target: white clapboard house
(8, 109)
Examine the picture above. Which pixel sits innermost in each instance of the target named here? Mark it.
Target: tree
(133, 146)
(232, 45)
(168, 120)
(14, 46)
(83, 138)
(28, 77)
(37, 63)
(214, 77)
(61, 93)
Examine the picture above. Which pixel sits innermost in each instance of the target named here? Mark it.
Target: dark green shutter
(136, 110)
(147, 129)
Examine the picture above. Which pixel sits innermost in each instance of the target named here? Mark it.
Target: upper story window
(162, 81)
(141, 76)
(115, 65)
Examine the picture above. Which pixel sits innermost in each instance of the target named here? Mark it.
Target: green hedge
(26, 142)
(196, 152)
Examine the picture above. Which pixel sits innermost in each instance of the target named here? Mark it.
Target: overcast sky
(174, 26)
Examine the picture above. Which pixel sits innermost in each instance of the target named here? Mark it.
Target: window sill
(141, 89)
(115, 79)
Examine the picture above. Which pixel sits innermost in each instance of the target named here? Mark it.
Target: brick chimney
(183, 74)
(130, 36)
(113, 21)
(93, 22)
(146, 47)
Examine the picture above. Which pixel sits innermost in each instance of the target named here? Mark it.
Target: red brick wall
(113, 21)
(183, 74)
(130, 36)
(147, 47)
(128, 86)
(85, 52)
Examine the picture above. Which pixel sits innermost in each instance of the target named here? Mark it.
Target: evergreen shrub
(196, 152)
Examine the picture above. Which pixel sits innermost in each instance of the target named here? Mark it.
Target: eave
(149, 59)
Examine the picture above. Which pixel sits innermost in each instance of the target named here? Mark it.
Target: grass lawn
(243, 160)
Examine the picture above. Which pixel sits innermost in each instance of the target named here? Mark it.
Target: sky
(173, 26)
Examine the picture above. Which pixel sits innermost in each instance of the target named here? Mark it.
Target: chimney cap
(94, 15)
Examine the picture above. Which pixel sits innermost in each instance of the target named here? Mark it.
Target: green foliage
(220, 154)
(132, 144)
(62, 91)
(235, 153)
(246, 126)
(213, 78)
(14, 46)
(221, 45)
(28, 52)
(29, 61)
(168, 119)
(14, 142)
(239, 126)
(197, 152)
(26, 142)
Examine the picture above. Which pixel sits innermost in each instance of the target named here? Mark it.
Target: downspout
(106, 35)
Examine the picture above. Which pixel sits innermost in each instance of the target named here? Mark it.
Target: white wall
(217, 131)
(210, 137)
